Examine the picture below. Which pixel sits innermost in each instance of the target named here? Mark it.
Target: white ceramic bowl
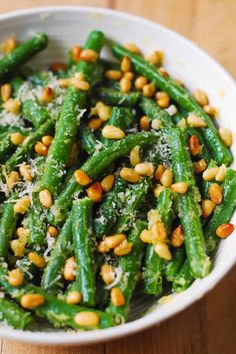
(67, 26)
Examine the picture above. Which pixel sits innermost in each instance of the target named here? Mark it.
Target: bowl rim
(150, 319)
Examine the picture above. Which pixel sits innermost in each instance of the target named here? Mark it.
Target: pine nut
(179, 187)
(15, 277)
(195, 121)
(129, 175)
(45, 198)
(18, 248)
(80, 84)
(194, 145)
(154, 58)
(134, 156)
(146, 236)
(107, 274)
(89, 55)
(156, 124)
(226, 136)
(117, 297)
(149, 90)
(201, 97)
(220, 176)
(177, 237)
(37, 260)
(144, 169)
(199, 166)
(112, 132)
(140, 82)
(9, 45)
(158, 232)
(207, 207)
(41, 149)
(12, 179)
(30, 301)
(182, 124)
(26, 173)
(47, 140)
(95, 124)
(21, 232)
(224, 230)
(69, 271)
(216, 193)
(163, 251)
(210, 173)
(159, 172)
(73, 297)
(82, 178)
(132, 48)
(211, 111)
(144, 123)
(162, 99)
(102, 247)
(22, 205)
(107, 182)
(12, 106)
(52, 230)
(104, 112)
(55, 67)
(114, 240)
(87, 319)
(47, 95)
(166, 178)
(129, 75)
(125, 65)
(113, 74)
(75, 53)
(94, 192)
(64, 82)
(125, 85)
(123, 248)
(157, 190)
(17, 138)
(163, 72)
(6, 91)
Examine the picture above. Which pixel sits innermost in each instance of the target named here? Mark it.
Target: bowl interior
(67, 26)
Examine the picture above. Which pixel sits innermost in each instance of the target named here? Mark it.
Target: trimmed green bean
(35, 113)
(116, 98)
(14, 315)
(183, 279)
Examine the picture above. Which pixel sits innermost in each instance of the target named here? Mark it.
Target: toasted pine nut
(123, 248)
(87, 319)
(144, 123)
(37, 260)
(15, 277)
(210, 173)
(210, 110)
(157, 190)
(140, 82)
(226, 136)
(155, 58)
(129, 75)
(207, 207)
(216, 193)
(47, 95)
(45, 198)
(12, 106)
(201, 97)
(125, 85)
(9, 45)
(80, 84)
(144, 169)
(146, 236)
(82, 178)
(94, 192)
(21, 232)
(158, 232)
(26, 173)
(107, 182)
(159, 172)
(55, 67)
(73, 297)
(17, 138)
(41, 149)
(117, 297)
(129, 175)
(89, 55)
(125, 65)
(75, 53)
(224, 230)
(132, 48)
(162, 99)
(104, 112)
(107, 274)
(69, 271)
(22, 205)
(163, 72)
(194, 145)
(163, 251)
(102, 247)
(114, 240)
(134, 156)
(195, 121)
(179, 187)
(177, 237)
(6, 92)
(220, 176)
(52, 230)
(18, 248)
(30, 301)
(95, 124)
(166, 178)
(112, 132)
(199, 166)
(182, 124)
(149, 90)
(12, 179)
(113, 74)
(156, 124)
(64, 82)
(47, 140)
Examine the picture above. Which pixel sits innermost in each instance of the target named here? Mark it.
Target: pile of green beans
(115, 183)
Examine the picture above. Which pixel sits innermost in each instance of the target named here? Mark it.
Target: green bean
(16, 83)
(179, 94)
(21, 54)
(116, 98)
(14, 315)
(6, 146)
(7, 226)
(173, 266)
(187, 204)
(151, 109)
(88, 139)
(183, 279)
(35, 113)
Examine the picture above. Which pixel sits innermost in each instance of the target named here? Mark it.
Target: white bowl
(67, 26)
